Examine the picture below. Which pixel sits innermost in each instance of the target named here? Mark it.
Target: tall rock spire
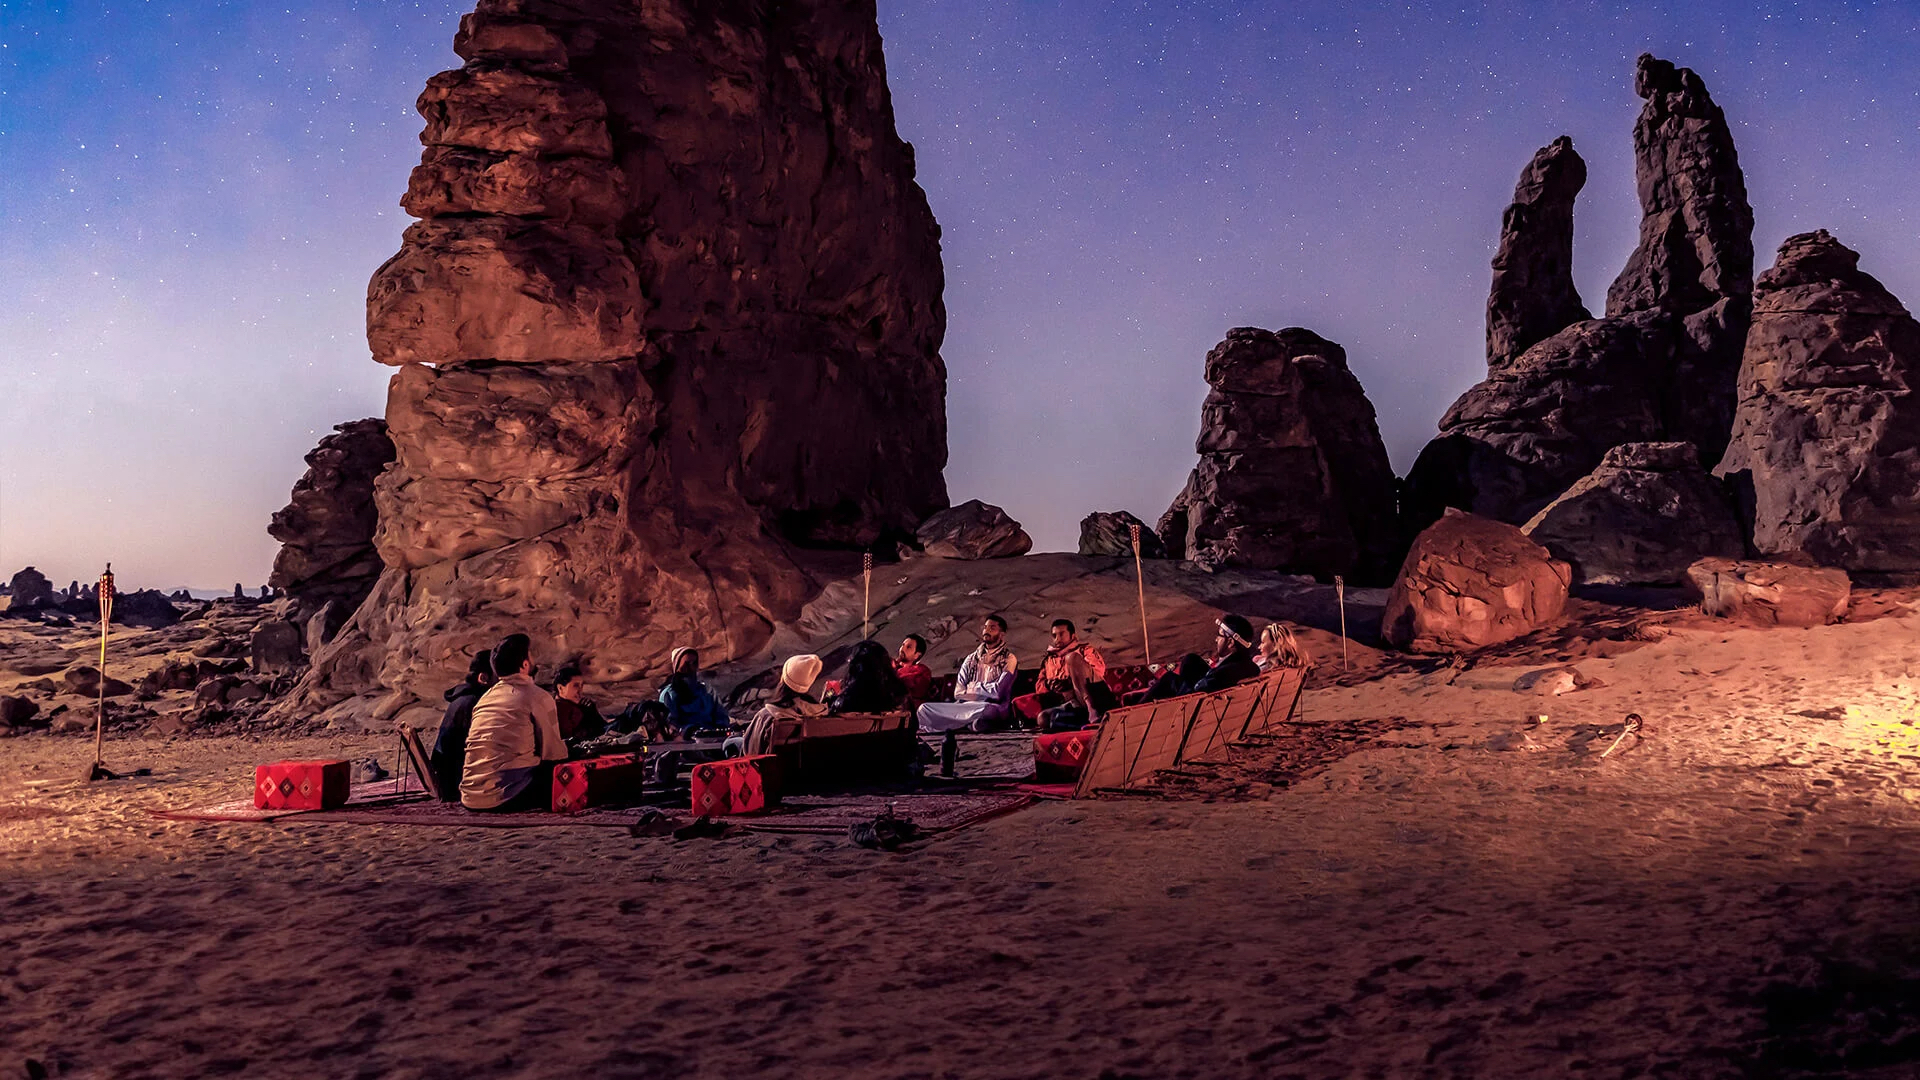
(1696, 228)
(1533, 294)
(1660, 367)
(672, 308)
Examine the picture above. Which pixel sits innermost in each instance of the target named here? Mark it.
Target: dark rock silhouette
(1659, 367)
(1469, 582)
(30, 589)
(1292, 474)
(1645, 515)
(1826, 442)
(1111, 534)
(973, 530)
(630, 213)
(1533, 294)
(327, 527)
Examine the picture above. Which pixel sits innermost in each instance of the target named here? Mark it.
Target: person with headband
(1232, 663)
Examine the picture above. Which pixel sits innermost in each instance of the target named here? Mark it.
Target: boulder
(1470, 582)
(326, 529)
(1659, 367)
(973, 530)
(275, 645)
(1292, 474)
(84, 680)
(1111, 534)
(30, 589)
(1770, 593)
(1642, 518)
(629, 212)
(19, 712)
(1533, 296)
(143, 607)
(1826, 441)
(172, 675)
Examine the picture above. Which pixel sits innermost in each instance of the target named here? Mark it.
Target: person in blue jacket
(690, 705)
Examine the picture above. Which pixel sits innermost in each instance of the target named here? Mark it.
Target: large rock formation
(1645, 515)
(1469, 582)
(1292, 475)
(1533, 294)
(682, 301)
(327, 527)
(1659, 367)
(1826, 442)
(30, 589)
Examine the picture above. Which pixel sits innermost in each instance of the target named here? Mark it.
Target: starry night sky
(193, 195)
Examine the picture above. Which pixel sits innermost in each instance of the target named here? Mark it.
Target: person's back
(449, 755)
(515, 727)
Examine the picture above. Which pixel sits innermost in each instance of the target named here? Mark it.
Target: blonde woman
(1280, 649)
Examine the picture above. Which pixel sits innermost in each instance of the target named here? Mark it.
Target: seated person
(907, 663)
(1231, 664)
(1070, 694)
(776, 722)
(450, 745)
(1280, 649)
(514, 739)
(580, 722)
(983, 692)
(691, 707)
(871, 685)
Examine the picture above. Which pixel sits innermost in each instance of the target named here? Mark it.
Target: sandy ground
(1425, 880)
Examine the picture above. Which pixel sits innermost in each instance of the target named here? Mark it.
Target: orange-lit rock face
(681, 299)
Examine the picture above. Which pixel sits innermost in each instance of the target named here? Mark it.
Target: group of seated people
(503, 732)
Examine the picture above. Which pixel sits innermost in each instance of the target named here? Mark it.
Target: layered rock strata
(326, 529)
(1292, 474)
(681, 299)
(1659, 367)
(1826, 441)
(1770, 593)
(1645, 515)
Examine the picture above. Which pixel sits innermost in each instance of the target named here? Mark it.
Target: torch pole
(1140, 582)
(866, 605)
(1340, 593)
(106, 618)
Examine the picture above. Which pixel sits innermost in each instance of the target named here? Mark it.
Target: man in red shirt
(907, 663)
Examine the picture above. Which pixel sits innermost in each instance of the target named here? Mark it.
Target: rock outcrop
(1533, 296)
(1111, 534)
(1771, 594)
(973, 530)
(1659, 367)
(682, 301)
(1292, 474)
(1645, 515)
(1470, 582)
(30, 589)
(1826, 442)
(327, 527)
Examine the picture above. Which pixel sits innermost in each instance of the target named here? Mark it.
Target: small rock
(70, 724)
(1550, 681)
(368, 770)
(18, 712)
(275, 646)
(85, 681)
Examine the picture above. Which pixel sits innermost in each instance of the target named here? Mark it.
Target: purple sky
(194, 195)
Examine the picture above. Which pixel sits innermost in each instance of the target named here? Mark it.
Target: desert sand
(1422, 878)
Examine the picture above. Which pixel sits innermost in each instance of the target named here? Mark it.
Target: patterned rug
(384, 803)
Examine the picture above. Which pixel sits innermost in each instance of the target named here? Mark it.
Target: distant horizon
(193, 206)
